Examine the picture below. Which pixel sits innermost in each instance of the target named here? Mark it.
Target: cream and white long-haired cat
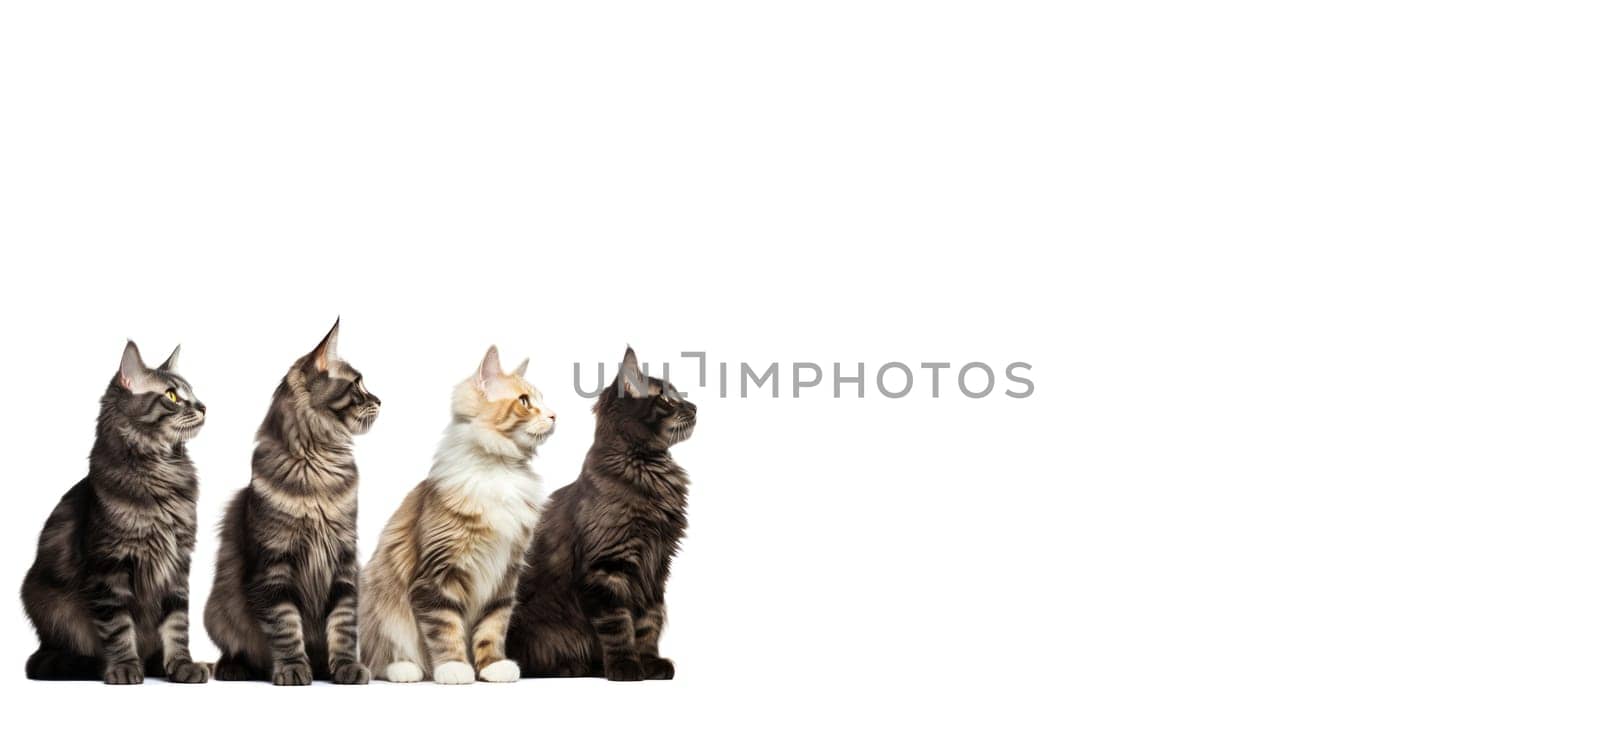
(437, 596)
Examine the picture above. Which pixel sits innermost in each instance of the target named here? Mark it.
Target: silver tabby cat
(108, 591)
(283, 606)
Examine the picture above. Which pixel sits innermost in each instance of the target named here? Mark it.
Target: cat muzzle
(365, 418)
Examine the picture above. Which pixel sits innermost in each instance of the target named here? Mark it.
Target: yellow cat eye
(172, 395)
(526, 402)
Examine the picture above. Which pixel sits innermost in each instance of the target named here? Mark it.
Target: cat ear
(522, 369)
(633, 381)
(132, 374)
(171, 365)
(490, 369)
(327, 352)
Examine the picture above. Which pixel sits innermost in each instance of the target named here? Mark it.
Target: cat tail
(57, 664)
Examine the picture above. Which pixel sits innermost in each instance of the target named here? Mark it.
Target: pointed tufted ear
(171, 365)
(632, 378)
(489, 370)
(327, 352)
(132, 373)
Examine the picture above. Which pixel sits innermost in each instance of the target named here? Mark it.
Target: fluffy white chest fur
(507, 495)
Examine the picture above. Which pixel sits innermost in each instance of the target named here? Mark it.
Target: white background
(1308, 289)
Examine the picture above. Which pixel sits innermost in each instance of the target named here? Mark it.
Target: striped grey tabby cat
(283, 606)
(109, 589)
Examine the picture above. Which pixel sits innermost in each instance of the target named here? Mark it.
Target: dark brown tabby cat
(109, 589)
(283, 606)
(591, 599)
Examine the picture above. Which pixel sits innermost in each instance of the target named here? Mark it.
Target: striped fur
(283, 605)
(437, 594)
(109, 589)
(592, 599)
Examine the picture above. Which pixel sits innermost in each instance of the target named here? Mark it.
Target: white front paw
(453, 673)
(504, 670)
(402, 671)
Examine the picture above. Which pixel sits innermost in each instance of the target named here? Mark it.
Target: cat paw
(351, 674)
(629, 670)
(657, 668)
(188, 672)
(453, 673)
(402, 671)
(504, 670)
(125, 673)
(291, 673)
(231, 670)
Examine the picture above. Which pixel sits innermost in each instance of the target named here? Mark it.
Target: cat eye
(526, 402)
(172, 395)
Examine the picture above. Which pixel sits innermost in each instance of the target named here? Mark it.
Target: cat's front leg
(272, 602)
(174, 630)
(110, 591)
(343, 662)
(647, 635)
(605, 592)
(489, 636)
(440, 615)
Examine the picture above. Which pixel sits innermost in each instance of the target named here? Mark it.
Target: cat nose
(199, 407)
(375, 400)
(552, 416)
